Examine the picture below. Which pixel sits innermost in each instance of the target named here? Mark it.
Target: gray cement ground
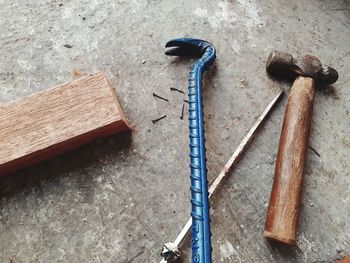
(119, 199)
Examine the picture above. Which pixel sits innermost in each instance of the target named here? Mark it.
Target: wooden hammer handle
(282, 212)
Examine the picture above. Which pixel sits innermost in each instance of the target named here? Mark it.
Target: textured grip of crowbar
(201, 236)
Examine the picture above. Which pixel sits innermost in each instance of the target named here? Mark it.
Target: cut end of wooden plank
(40, 126)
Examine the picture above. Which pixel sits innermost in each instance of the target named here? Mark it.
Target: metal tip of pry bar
(170, 253)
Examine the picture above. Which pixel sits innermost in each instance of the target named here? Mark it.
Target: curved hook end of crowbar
(185, 47)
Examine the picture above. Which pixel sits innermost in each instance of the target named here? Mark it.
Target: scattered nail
(158, 119)
(312, 149)
(175, 89)
(143, 61)
(186, 101)
(182, 112)
(61, 4)
(159, 97)
(67, 46)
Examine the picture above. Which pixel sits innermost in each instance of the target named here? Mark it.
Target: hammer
(282, 213)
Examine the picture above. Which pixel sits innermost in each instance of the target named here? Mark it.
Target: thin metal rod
(242, 146)
(228, 166)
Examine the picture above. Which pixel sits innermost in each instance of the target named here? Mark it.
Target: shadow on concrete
(64, 165)
(280, 250)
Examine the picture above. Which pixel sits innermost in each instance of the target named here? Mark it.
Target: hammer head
(307, 66)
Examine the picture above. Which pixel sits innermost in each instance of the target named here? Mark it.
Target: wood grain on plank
(47, 123)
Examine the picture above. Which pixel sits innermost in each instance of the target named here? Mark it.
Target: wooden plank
(344, 260)
(50, 122)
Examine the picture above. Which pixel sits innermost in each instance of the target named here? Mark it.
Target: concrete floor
(120, 198)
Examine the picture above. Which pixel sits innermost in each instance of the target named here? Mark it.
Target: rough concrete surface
(120, 198)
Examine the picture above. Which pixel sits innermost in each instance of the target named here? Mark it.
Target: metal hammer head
(307, 66)
(188, 47)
